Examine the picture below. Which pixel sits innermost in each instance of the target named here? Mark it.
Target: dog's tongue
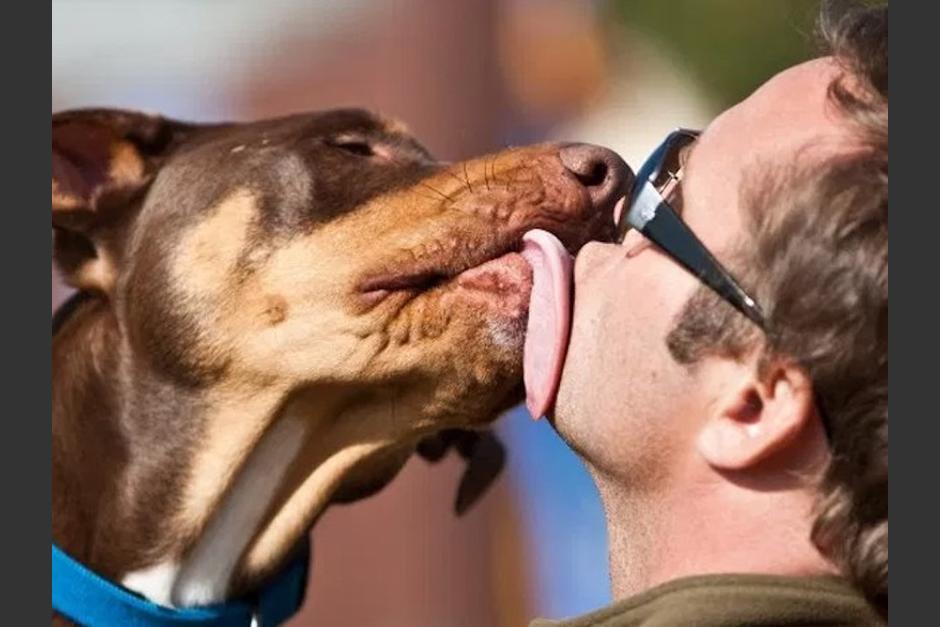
(549, 319)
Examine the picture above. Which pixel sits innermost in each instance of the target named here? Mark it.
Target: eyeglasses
(648, 210)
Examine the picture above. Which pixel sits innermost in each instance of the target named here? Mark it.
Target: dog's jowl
(271, 317)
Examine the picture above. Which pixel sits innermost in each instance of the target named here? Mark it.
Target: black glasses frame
(649, 213)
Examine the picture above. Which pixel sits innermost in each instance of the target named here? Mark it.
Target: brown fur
(224, 273)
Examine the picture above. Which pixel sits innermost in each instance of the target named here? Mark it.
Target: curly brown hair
(816, 257)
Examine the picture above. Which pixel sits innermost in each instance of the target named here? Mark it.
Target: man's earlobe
(757, 417)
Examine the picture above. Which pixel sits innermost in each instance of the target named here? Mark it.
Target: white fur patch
(205, 575)
(154, 582)
(508, 336)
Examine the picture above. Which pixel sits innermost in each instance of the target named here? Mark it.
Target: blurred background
(468, 77)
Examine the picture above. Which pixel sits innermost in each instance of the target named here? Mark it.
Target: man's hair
(816, 257)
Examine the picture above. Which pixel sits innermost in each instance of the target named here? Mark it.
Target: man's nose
(606, 176)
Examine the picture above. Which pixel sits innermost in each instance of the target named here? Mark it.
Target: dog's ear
(481, 450)
(102, 161)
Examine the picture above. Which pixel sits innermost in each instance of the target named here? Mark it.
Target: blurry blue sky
(563, 517)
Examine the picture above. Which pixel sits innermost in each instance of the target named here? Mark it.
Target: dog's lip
(449, 263)
(410, 275)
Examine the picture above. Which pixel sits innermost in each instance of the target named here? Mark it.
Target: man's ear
(102, 161)
(760, 413)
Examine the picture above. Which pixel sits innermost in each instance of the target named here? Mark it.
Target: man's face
(623, 402)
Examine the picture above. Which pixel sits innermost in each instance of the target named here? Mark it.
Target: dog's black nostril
(605, 175)
(595, 175)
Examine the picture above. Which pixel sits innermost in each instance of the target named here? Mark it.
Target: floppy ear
(760, 415)
(481, 450)
(102, 160)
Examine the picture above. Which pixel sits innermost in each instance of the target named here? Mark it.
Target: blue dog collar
(89, 599)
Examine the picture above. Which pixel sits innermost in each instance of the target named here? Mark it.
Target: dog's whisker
(495, 178)
(516, 178)
(467, 177)
(425, 196)
(462, 182)
(439, 192)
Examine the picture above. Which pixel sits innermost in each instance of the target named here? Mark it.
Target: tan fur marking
(275, 310)
(126, 165)
(62, 201)
(208, 252)
(395, 127)
(99, 273)
(310, 498)
(316, 335)
(339, 441)
(238, 421)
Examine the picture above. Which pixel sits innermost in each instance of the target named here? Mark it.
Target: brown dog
(271, 316)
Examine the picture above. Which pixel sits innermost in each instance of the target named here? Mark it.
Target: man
(737, 431)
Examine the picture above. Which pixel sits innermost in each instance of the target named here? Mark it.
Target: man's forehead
(799, 92)
(788, 113)
(789, 117)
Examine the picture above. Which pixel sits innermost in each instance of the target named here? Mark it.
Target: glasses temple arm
(666, 230)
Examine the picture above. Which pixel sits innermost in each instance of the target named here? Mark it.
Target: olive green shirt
(735, 601)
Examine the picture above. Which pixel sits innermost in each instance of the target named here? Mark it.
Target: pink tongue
(549, 319)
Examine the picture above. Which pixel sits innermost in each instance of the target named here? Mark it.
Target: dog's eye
(358, 147)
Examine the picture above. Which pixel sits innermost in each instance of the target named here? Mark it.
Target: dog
(272, 317)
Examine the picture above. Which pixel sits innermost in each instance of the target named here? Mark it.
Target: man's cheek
(590, 259)
(584, 341)
(588, 318)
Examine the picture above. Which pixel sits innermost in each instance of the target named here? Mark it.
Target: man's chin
(559, 417)
(568, 418)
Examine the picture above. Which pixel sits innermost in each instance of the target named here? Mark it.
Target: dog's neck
(187, 499)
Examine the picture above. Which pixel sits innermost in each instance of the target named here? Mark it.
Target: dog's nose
(606, 176)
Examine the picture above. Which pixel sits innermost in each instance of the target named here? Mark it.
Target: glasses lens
(669, 173)
(662, 170)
